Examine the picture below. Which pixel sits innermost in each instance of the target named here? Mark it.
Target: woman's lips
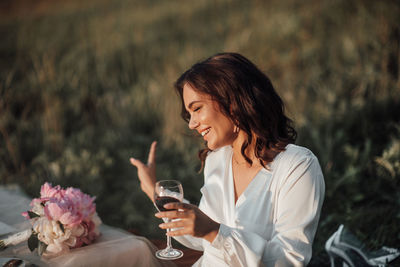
(206, 131)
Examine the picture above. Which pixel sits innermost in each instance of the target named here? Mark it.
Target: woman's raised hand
(192, 221)
(147, 172)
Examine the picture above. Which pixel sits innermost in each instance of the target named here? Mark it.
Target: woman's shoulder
(297, 162)
(294, 152)
(294, 155)
(216, 158)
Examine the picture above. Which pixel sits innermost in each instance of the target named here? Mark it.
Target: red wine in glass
(161, 201)
(168, 191)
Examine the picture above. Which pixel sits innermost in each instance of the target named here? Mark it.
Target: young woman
(262, 195)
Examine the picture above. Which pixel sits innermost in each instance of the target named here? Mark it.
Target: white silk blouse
(274, 220)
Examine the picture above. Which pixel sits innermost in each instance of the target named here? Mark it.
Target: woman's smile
(207, 119)
(204, 132)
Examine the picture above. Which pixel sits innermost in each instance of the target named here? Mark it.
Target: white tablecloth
(115, 247)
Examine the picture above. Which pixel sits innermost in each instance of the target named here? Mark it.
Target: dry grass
(86, 84)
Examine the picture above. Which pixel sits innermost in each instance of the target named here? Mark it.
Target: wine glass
(167, 191)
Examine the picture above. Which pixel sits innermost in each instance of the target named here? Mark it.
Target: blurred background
(84, 85)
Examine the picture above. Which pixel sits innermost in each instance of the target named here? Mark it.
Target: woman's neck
(237, 149)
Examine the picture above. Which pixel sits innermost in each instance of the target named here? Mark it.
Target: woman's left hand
(192, 221)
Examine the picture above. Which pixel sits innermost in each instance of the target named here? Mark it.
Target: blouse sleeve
(190, 242)
(296, 213)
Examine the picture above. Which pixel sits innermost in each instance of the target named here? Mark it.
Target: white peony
(78, 230)
(97, 221)
(38, 209)
(51, 233)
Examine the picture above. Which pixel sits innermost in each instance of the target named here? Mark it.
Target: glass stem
(169, 246)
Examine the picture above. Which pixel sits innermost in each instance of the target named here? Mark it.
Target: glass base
(169, 254)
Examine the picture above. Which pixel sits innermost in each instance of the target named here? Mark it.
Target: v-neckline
(239, 200)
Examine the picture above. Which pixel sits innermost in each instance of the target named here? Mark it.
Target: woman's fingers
(176, 210)
(179, 205)
(173, 214)
(147, 172)
(135, 162)
(179, 232)
(192, 221)
(180, 227)
(151, 159)
(152, 154)
(176, 224)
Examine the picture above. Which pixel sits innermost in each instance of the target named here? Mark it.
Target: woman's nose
(193, 123)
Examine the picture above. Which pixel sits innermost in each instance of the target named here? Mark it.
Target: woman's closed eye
(196, 109)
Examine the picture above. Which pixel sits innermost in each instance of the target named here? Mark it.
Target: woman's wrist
(150, 192)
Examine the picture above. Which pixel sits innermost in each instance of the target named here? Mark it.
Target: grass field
(84, 85)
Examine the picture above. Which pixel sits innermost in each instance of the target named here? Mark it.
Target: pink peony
(55, 210)
(67, 218)
(47, 191)
(71, 219)
(82, 202)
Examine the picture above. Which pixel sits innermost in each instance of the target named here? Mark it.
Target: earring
(236, 129)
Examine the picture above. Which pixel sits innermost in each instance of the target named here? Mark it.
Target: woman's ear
(235, 121)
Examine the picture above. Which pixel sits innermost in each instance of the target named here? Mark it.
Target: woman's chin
(212, 146)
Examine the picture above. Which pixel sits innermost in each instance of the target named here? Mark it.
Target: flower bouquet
(61, 219)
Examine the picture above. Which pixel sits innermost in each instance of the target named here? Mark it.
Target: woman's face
(207, 119)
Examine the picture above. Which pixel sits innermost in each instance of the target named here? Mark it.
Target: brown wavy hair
(246, 96)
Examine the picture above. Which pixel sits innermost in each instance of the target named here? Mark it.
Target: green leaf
(32, 214)
(42, 248)
(62, 227)
(33, 242)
